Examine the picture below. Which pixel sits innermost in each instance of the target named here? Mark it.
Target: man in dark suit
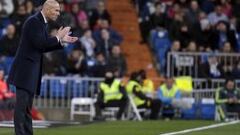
(26, 70)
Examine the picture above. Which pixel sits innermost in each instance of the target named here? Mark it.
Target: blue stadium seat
(238, 42)
(207, 108)
(1, 33)
(5, 22)
(161, 59)
(79, 88)
(190, 113)
(58, 88)
(160, 40)
(7, 64)
(68, 49)
(160, 43)
(44, 90)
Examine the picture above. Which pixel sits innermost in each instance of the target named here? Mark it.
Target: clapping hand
(63, 35)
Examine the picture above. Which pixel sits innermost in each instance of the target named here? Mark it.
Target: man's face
(101, 6)
(169, 82)
(194, 5)
(10, 29)
(105, 34)
(227, 47)
(176, 46)
(230, 85)
(212, 60)
(53, 12)
(21, 10)
(116, 50)
(219, 10)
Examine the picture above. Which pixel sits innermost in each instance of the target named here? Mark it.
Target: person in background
(228, 99)
(9, 42)
(99, 67)
(212, 68)
(29, 7)
(167, 93)
(76, 63)
(5, 94)
(105, 43)
(148, 85)
(7, 99)
(117, 61)
(8, 46)
(99, 13)
(135, 90)
(19, 17)
(111, 94)
(88, 43)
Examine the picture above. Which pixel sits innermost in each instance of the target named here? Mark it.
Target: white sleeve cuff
(59, 41)
(58, 38)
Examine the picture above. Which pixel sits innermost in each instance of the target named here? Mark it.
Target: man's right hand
(62, 31)
(230, 100)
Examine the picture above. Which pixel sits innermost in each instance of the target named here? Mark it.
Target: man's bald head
(51, 9)
(50, 3)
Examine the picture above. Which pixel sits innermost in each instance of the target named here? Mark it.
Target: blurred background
(182, 53)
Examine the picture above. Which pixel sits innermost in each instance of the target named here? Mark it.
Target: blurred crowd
(193, 26)
(199, 25)
(98, 47)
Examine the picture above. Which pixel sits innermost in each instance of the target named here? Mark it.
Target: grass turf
(134, 128)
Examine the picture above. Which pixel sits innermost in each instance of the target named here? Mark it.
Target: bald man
(26, 70)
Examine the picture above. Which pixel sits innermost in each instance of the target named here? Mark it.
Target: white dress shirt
(45, 21)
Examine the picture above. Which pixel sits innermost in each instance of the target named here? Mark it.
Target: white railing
(57, 92)
(188, 63)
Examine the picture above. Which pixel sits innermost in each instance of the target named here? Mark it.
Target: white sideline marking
(202, 128)
(11, 126)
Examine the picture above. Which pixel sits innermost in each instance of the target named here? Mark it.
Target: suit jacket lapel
(40, 17)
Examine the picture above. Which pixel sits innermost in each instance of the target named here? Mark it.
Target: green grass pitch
(135, 128)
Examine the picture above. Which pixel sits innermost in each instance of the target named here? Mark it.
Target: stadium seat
(68, 49)
(44, 90)
(5, 22)
(160, 43)
(160, 40)
(207, 108)
(58, 88)
(7, 64)
(134, 110)
(79, 88)
(82, 106)
(238, 42)
(192, 112)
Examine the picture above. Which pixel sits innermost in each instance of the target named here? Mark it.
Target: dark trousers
(22, 113)
(154, 105)
(168, 111)
(122, 104)
(233, 108)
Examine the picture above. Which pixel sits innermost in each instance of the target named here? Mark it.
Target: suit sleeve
(39, 39)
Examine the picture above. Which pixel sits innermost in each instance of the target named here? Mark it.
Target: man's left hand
(69, 39)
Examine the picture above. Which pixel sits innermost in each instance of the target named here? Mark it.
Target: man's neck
(44, 17)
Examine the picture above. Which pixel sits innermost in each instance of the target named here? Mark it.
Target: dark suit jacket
(26, 70)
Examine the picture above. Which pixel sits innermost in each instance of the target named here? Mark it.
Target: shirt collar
(45, 20)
